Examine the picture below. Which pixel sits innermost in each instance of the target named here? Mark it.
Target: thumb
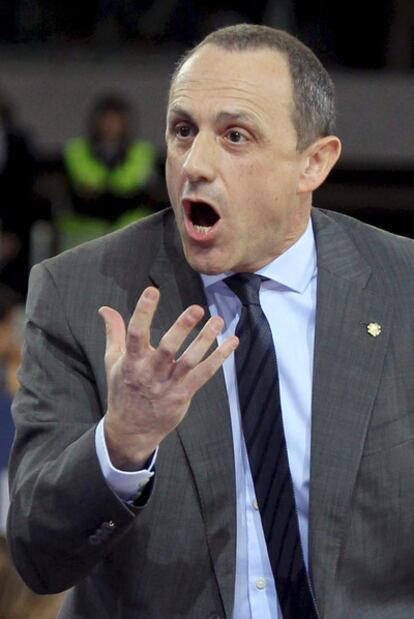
(115, 335)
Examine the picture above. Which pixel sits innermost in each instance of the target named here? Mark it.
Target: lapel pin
(374, 329)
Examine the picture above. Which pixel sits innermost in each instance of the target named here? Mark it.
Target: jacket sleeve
(63, 517)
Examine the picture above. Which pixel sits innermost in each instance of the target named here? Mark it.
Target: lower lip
(201, 237)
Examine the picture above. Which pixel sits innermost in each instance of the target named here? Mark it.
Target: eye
(235, 136)
(183, 130)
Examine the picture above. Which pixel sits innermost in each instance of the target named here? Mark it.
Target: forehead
(258, 78)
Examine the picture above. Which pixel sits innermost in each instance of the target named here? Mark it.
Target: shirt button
(255, 504)
(260, 583)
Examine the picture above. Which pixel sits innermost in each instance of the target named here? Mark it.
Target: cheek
(172, 177)
(168, 168)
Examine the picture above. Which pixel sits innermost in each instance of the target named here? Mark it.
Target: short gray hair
(313, 113)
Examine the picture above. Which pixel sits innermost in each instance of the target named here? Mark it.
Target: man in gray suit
(130, 482)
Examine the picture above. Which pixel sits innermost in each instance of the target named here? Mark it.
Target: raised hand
(149, 390)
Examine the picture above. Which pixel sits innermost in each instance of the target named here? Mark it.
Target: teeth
(202, 229)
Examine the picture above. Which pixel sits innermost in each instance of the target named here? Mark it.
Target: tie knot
(246, 286)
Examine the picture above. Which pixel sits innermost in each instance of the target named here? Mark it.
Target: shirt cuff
(128, 485)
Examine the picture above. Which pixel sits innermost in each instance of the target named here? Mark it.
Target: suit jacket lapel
(205, 433)
(347, 369)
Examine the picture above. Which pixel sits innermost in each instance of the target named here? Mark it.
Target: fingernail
(150, 293)
(195, 313)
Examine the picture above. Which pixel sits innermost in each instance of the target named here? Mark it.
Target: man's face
(232, 164)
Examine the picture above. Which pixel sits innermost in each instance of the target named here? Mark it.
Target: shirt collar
(293, 269)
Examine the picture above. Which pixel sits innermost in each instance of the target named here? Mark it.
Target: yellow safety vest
(88, 173)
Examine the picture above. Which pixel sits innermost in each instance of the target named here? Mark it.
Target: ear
(318, 160)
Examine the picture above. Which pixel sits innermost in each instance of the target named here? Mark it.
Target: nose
(200, 160)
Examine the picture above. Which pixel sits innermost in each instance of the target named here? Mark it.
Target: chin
(207, 264)
(206, 268)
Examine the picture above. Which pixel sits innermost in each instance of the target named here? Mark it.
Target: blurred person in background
(18, 207)
(11, 314)
(109, 172)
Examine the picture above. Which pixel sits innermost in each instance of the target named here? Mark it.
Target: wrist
(125, 452)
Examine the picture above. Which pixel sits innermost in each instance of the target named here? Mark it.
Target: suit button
(105, 530)
(109, 526)
(102, 533)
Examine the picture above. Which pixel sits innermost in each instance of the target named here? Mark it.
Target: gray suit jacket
(174, 556)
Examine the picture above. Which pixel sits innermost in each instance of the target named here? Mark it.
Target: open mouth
(201, 215)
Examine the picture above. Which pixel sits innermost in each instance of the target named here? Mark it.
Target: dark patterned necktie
(258, 386)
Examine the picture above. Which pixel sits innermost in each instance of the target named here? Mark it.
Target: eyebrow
(222, 117)
(180, 112)
(236, 116)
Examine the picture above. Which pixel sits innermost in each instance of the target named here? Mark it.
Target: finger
(198, 348)
(115, 334)
(202, 373)
(173, 339)
(138, 332)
